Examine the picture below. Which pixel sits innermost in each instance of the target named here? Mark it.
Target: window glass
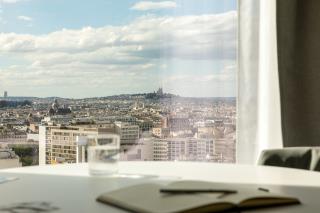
(159, 74)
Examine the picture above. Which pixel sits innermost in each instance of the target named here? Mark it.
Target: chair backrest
(315, 163)
(307, 158)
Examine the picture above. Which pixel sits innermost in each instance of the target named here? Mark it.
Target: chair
(307, 158)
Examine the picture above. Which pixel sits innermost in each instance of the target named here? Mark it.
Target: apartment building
(185, 149)
(59, 144)
(129, 134)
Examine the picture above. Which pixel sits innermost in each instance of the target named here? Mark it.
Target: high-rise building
(129, 134)
(160, 150)
(58, 144)
(189, 149)
(5, 94)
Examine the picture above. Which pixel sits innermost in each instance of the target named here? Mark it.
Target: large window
(160, 74)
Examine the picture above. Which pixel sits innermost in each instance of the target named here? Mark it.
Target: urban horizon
(124, 94)
(151, 126)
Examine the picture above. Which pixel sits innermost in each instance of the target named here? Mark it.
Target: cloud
(149, 5)
(148, 37)
(10, 1)
(92, 57)
(220, 83)
(2, 2)
(227, 74)
(25, 18)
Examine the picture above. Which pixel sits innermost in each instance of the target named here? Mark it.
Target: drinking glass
(103, 156)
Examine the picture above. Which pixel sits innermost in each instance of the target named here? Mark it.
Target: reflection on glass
(161, 75)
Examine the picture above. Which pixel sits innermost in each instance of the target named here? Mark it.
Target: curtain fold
(298, 32)
(259, 118)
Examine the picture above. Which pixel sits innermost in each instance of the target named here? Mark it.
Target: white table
(230, 173)
(71, 188)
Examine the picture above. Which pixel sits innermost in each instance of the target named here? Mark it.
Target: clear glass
(162, 76)
(103, 157)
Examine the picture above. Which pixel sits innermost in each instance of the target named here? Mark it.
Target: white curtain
(259, 117)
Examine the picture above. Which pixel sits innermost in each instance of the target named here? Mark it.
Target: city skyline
(148, 128)
(128, 94)
(101, 49)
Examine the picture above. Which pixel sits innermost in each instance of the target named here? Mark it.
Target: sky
(79, 48)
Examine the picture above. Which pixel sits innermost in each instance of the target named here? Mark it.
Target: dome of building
(55, 104)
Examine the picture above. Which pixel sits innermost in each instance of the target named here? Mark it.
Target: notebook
(147, 198)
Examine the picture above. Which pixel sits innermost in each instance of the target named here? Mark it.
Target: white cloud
(25, 18)
(94, 56)
(218, 83)
(149, 5)
(10, 1)
(224, 75)
(2, 2)
(189, 37)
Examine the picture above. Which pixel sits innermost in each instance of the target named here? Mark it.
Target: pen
(186, 191)
(263, 189)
